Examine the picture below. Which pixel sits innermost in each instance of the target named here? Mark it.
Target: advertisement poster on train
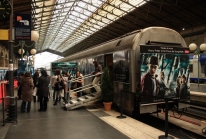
(121, 66)
(100, 60)
(164, 73)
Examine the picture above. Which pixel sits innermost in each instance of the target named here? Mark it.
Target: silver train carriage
(124, 54)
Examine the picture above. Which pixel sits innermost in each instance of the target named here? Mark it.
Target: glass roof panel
(118, 12)
(111, 16)
(125, 7)
(75, 20)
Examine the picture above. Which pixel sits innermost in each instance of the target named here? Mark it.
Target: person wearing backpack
(59, 86)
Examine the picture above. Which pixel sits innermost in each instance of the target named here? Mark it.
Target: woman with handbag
(66, 78)
(59, 86)
(27, 90)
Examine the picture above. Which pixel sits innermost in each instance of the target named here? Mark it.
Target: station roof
(69, 26)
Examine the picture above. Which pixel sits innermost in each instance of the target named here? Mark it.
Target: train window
(191, 67)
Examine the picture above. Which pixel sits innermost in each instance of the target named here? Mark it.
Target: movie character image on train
(164, 75)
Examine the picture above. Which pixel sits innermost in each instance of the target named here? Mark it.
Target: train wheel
(178, 113)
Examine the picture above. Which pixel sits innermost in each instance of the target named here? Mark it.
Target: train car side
(126, 50)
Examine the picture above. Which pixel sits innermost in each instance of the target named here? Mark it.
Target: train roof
(130, 41)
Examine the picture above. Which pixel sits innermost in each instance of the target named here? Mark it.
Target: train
(194, 68)
(130, 55)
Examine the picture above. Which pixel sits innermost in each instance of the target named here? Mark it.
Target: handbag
(59, 85)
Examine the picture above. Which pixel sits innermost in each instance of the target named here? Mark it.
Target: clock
(5, 10)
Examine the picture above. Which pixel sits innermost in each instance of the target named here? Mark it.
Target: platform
(85, 122)
(90, 122)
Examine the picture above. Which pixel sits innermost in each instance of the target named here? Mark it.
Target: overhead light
(21, 51)
(183, 28)
(34, 35)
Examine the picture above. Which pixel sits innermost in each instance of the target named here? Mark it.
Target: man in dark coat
(149, 83)
(43, 90)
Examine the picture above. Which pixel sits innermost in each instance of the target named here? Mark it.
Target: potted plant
(106, 89)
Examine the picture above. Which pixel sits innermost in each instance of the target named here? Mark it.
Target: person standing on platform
(43, 90)
(20, 76)
(53, 79)
(79, 82)
(66, 78)
(60, 92)
(35, 79)
(97, 73)
(27, 91)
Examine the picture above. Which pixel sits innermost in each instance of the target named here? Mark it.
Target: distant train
(130, 55)
(194, 68)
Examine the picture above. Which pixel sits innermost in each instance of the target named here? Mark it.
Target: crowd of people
(36, 88)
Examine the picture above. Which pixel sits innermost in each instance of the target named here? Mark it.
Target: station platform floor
(91, 122)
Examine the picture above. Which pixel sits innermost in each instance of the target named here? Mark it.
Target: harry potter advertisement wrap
(164, 73)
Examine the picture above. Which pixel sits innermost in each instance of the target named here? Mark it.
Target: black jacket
(43, 86)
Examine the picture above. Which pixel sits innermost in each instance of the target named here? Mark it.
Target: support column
(11, 66)
(204, 38)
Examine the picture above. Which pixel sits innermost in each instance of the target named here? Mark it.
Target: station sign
(22, 26)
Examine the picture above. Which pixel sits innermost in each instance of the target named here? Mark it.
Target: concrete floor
(58, 123)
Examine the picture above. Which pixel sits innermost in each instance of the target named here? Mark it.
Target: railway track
(174, 130)
(194, 111)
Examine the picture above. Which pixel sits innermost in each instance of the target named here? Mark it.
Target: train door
(109, 63)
